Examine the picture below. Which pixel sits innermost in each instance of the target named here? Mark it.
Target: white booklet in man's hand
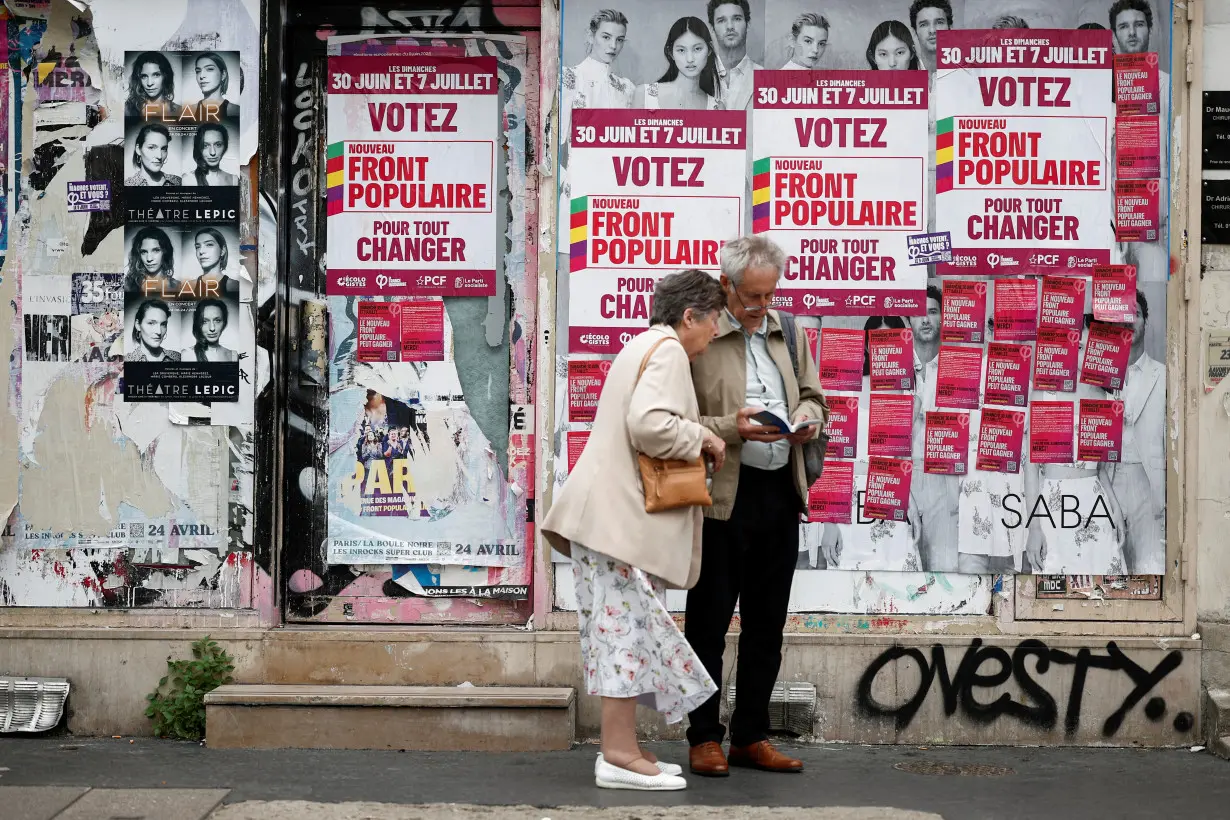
(771, 419)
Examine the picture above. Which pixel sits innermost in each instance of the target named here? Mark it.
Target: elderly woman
(623, 557)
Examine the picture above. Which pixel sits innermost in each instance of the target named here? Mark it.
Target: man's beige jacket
(720, 378)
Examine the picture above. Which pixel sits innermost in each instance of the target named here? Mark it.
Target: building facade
(346, 414)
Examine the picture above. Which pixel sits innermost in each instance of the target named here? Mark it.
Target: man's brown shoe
(707, 760)
(763, 756)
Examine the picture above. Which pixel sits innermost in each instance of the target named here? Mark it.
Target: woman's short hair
(806, 19)
(143, 135)
(157, 234)
(750, 252)
(606, 16)
(143, 309)
(677, 293)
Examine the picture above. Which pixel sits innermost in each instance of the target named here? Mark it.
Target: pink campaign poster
(1000, 439)
(888, 489)
(1114, 293)
(1008, 367)
(585, 380)
(1016, 310)
(1063, 302)
(892, 358)
(1055, 359)
(1051, 431)
(1106, 356)
(829, 499)
(1138, 148)
(576, 444)
(1136, 85)
(963, 317)
(400, 332)
(841, 359)
(890, 432)
(842, 426)
(1100, 437)
(813, 342)
(958, 375)
(1138, 210)
(946, 446)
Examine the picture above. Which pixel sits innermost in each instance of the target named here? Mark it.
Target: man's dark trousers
(749, 559)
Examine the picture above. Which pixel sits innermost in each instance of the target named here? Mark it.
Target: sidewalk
(111, 778)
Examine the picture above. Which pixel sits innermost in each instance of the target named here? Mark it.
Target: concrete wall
(872, 688)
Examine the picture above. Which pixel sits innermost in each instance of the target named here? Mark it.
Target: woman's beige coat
(602, 505)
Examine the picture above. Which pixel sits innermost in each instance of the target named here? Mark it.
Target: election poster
(652, 194)
(839, 181)
(1022, 134)
(959, 190)
(410, 166)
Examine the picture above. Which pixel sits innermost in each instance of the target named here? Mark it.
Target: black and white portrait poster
(1099, 510)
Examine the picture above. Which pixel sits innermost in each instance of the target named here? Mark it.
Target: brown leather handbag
(669, 483)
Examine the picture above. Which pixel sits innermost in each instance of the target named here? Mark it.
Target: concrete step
(1217, 722)
(422, 718)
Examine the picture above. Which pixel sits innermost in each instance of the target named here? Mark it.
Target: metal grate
(950, 769)
(31, 704)
(792, 707)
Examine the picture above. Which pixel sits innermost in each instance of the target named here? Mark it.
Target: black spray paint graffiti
(960, 690)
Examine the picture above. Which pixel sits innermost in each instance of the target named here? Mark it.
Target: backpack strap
(791, 332)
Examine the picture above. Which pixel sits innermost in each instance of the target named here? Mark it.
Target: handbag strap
(648, 355)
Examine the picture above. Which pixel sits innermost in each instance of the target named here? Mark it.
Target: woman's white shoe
(666, 768)
(607, 776)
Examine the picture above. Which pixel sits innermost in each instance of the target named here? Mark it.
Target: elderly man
(751, 533)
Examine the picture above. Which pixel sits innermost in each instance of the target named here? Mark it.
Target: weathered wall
(962, 690)
(112, 503)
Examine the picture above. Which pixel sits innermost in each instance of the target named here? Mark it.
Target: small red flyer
(946, 445)
(576, 444)
(1000, 438)
(1138, 210)
(842, 426)
(890, 425)
(400, 332)
(1016, 310)
(892, 358)
(1114, 293)
(841, 359)
(1100, 437)
(1138, 148)
(958, 377)
(1008, 367)
(1106, 356)
(964, 312)
(829, 501)
(887, 494)
(1051, 432)
(585, 380)
(1055, 359)
(1063, 302)
(1136, 85)
(813, 342)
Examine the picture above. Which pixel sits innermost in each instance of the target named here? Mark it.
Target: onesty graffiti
(984, 667)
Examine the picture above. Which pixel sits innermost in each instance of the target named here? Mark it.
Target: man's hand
(806, 434)
(751, 431)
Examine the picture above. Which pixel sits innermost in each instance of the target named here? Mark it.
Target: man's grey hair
(751, 252)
